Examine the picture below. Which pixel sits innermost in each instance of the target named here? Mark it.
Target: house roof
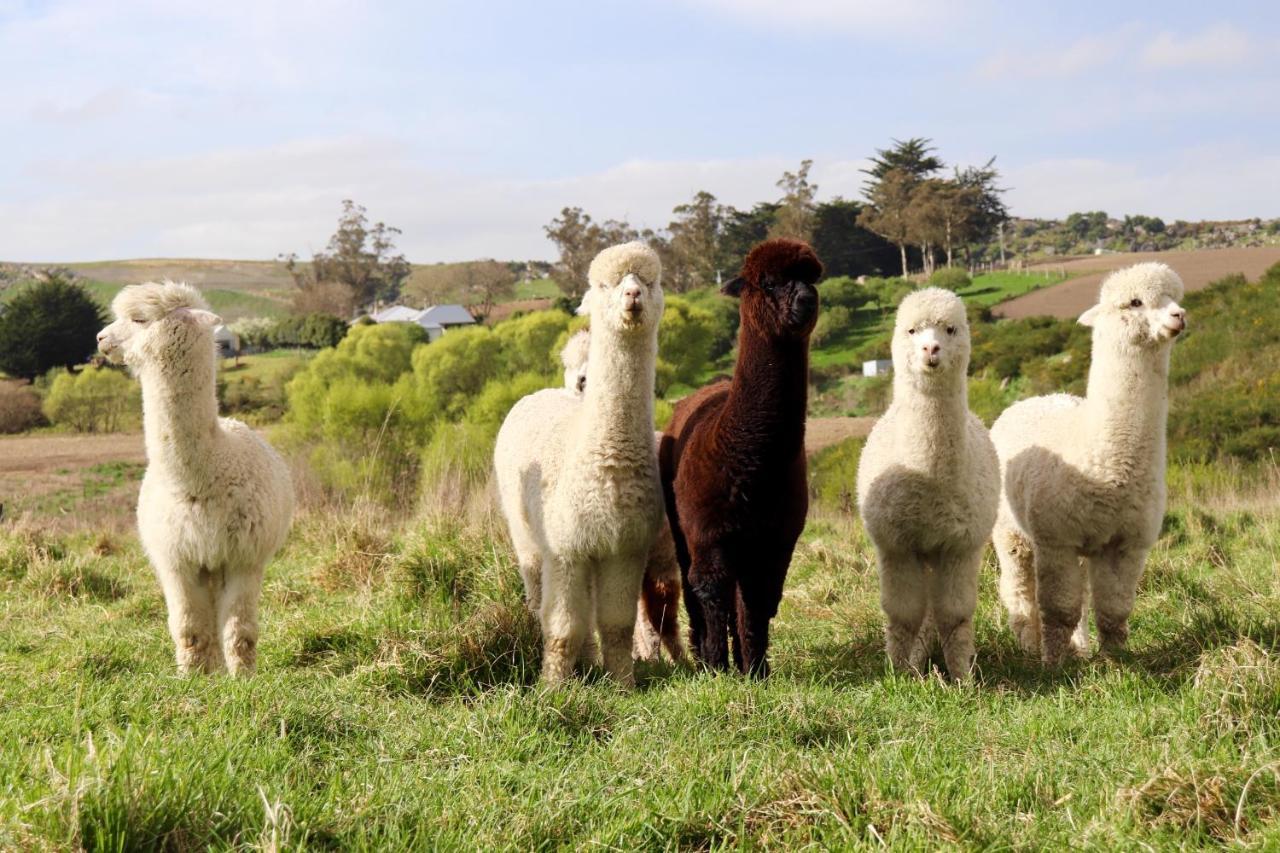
(446, 315)
(396, 314)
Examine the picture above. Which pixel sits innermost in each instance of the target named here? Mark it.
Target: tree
(987, 212)
(744, 228)
(847, 248)
(942, 213)
(359, 267)
(485, 282)
(889, 211)
(697, 238)
(795, 216)
(914, 158)
(580, 239)
(53, 323)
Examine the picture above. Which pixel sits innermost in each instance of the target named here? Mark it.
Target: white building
(436, 320)
(879, 367)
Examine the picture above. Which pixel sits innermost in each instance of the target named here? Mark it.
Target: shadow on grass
(1172, 659)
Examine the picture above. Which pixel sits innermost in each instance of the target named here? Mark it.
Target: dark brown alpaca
(733, 466)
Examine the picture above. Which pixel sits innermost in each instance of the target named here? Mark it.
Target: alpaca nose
(1180, 317)
(932, 349)
(101, 336)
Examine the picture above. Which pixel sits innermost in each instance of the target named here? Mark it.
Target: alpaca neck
(931, 413)
(180, 417)
(769, 394)
(1127, 403)
(620, 378)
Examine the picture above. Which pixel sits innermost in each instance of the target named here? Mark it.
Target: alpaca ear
(733, 287)
(1090, 317)
(585, 308)
(198, 316)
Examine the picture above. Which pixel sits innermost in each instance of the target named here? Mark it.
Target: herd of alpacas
(613, 524)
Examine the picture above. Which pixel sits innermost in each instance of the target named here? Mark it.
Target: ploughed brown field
(1198, 269)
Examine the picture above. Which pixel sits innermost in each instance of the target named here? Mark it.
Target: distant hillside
(1095, 231)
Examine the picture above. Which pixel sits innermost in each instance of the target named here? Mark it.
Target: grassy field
(542, 288)
(397, 706)
(230, 304)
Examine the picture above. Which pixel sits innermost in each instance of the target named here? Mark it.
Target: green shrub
(529, 342)
(833, 474)
(685, 339)
(51, 324)
(950, 278)
(97, 399)
(844, 292)
(833, 324)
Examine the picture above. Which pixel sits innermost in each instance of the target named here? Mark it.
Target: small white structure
(879, 367)
(435, 319)
(227, 341)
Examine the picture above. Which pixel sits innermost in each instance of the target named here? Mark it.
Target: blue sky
(148, 128)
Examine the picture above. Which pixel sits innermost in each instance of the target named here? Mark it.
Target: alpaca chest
(617, 510)
(187, 533)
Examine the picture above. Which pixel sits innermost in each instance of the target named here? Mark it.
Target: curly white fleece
(928, 487)
(1084, 477)
(216, 500)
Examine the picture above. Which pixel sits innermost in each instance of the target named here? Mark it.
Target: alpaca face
(152, 319)
(778, 287)
(632, 305)
(1138, 307)
(931, 334)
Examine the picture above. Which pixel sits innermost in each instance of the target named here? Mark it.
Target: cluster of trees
(298, 331)
(482, 284)
(358, 267)
(909, 214)
(909, 205)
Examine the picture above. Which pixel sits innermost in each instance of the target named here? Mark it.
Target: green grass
(266, 365)
(231, 305)
(396, 706)
(990, 288)
(542, 288)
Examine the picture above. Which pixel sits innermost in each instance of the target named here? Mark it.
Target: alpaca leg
(756, 608)
(590, 654)
(192, 625)
(1018, 585)
(566, 604)
(710, 582)
(904, 599)
(953, 596)
(1060, 597)
(645, 644)
(662, 600)
(238, 620)
(529, 559)
(618, 590)
(1114, 579)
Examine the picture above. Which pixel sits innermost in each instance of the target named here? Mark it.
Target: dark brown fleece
(733, 465)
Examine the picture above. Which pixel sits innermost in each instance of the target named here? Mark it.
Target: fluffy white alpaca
(578, 476)
(657, 611)
(1084, 478)
(216, 500)
(928, 485)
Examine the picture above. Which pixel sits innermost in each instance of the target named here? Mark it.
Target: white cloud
(1082, 56)
(258, 202)
(1219, 45)
(849, 16)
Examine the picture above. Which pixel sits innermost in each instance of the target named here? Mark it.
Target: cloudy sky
(174, 128)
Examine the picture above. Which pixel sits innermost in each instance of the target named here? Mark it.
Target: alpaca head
(778, 288)
(931, 335)
(624, 293)
(574, 359)
(1138, 307)
(153, 320)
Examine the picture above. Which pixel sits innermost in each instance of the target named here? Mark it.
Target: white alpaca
(928, 485)
(578, 476)
(216, 500)
(657, 616)
(1084, 478)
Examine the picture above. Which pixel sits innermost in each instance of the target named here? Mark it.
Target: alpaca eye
(951, 330)
(139, 322)
(1135, 303)
(911, 331)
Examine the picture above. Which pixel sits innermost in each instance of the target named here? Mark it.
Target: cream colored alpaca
(216, 500)
(661, 572)
(578, 476)
(1084, 478)
(928, 485)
